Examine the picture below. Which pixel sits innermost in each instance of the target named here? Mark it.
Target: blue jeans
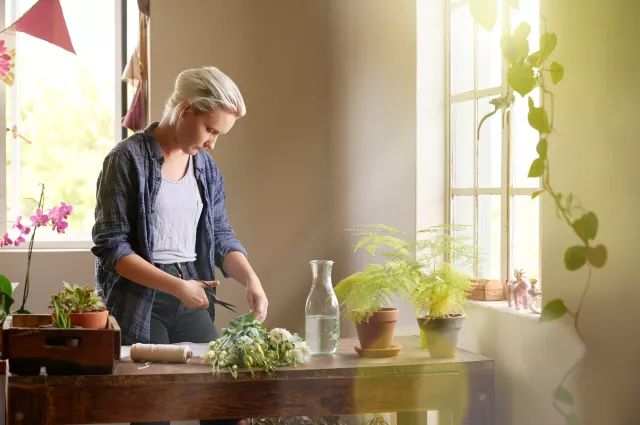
(172, 322)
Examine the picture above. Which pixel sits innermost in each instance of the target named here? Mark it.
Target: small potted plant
(368, 294)
(439, 294)
(78, 306)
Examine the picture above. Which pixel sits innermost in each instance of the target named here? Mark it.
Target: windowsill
(51, 246)
(503, 307)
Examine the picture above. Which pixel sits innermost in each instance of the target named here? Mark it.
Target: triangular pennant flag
(45, 20)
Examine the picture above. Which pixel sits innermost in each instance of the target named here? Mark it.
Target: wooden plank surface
(338, 384)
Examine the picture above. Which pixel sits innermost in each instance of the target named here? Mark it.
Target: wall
(594, 154)
(276, 160)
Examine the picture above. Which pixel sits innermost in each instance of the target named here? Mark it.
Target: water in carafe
(322, 311)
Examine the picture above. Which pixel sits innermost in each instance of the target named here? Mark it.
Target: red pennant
(45, 20)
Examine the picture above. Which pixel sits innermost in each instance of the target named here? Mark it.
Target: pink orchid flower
(39, 219)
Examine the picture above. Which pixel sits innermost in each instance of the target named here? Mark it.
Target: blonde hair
(205, 89)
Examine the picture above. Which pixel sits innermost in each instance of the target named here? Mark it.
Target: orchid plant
(246, 343)
(56, 217)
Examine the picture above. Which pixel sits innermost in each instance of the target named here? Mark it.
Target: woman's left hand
(257, 299)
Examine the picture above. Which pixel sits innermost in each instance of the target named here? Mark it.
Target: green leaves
(521, 78)
(557, 72)
(537, 193)
(575, 257)
(515, 47)
(541, 148)
(537, 168)
(553, 310)
(586, 227)
(538, 118)
(548, 42)
(484, 12)
(597, 256)
(5, 285)
(563, 395)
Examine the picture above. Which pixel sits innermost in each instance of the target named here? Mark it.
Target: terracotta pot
(440, 336)
(378, 331)
(90, 319)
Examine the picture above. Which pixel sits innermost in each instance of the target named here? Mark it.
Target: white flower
(280, 334)
(245, 340)
(301, 352)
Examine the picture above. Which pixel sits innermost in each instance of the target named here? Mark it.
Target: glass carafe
(322, 311)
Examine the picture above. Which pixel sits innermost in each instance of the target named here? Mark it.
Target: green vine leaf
(597, 256)
(537, 193)
(563, 395)
(538, 118)
(513, 3)
(557, 72)
(534, 59)
(586, 227)
(548, 42)
(537, 168)
(515, 48)
(541, 148)
(575, 257)
(521, 78)
(484, 12)
(554, 309)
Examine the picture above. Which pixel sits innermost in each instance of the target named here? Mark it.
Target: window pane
(489, 146)
(523, 143)
(462, 214)
(489, 56)
(461, 67)
(462, 130)
(64, 104)
(489, 234)
(525, 235)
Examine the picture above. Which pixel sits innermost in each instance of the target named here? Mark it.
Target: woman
(161, 222)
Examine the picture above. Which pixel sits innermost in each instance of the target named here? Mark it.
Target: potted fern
(78, 306)
(368, 294)
(439, 294)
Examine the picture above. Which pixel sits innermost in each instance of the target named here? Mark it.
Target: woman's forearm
(138, 270)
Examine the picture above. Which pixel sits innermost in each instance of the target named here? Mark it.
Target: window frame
(119, 108)
(505, 191)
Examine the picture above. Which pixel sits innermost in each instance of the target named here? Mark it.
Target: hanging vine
(527, 71)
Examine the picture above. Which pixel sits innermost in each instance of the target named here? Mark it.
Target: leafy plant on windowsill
(367, 291)
(443, 287)
(526, 71)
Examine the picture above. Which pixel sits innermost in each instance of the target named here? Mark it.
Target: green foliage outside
(71, 130)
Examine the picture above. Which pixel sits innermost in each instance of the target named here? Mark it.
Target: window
(488, 189)
(65, 111)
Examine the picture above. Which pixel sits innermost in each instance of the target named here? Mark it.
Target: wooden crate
(29, 345)
(486, 290)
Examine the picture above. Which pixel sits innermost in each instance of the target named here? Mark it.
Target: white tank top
(176, 214)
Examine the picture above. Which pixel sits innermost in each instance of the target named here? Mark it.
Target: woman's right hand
(192, 293)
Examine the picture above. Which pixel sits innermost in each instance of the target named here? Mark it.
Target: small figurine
(518, 290)
(535, 299)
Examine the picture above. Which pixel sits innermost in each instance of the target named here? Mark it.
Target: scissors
(216, 300)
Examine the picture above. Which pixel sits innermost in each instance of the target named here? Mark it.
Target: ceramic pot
(90, 319)
(378, 331)
(440, 335)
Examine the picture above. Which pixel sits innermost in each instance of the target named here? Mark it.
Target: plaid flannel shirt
(126, 191)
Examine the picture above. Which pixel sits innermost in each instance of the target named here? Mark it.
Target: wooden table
(461, 389)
